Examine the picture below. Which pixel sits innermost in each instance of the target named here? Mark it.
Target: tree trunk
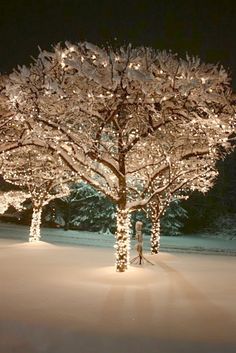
(35, 224)
(123, 220)
(122, 240)
(155, 236)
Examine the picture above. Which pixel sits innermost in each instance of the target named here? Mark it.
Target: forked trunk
(35, 224)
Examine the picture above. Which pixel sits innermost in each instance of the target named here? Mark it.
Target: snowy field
(57, 298)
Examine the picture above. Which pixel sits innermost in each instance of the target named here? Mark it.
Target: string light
(34, 235)
(42, 174)
(12, 198)
(155, 236)
(122, 245)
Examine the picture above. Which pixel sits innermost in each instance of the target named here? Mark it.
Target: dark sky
(204, 28)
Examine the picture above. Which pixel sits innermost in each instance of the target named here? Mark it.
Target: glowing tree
(121, 118)
(199, 177)
(12, 198)
(42, 174)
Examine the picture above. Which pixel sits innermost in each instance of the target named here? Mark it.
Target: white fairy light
(34, 235)
(12, 198)
(35, 172)
(122, 245)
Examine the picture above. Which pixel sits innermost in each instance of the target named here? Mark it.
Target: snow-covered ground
(57, 298)
(178, 243)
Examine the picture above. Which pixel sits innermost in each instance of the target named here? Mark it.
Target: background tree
(84, 209)
(122, 119)
(173, 219)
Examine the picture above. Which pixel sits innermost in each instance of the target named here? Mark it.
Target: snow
(198, 244)
(63, 298)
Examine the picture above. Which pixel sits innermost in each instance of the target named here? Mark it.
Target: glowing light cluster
(122, 245)
(155, 237)
(12, 198)
(42, 174)
(35, 225)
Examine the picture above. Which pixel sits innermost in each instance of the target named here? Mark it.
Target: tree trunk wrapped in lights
(35, 224)
(155, 236)
(123, 218)
(155, 214)
(122, 240)
(42, 174)
(157, 208)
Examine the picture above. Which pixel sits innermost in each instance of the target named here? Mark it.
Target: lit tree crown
(164, 116)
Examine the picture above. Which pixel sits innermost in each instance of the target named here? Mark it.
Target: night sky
(203, 28)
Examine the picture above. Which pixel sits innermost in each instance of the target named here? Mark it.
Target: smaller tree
(180, 179)
(94, 211)
(42, 174)
(173, 219)
(165, 218)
